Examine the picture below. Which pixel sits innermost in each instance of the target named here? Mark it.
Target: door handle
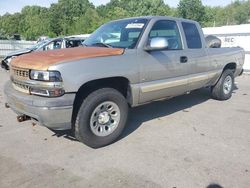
(183, 59)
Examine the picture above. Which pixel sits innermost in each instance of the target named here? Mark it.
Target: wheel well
(231, 66)
(119, 83)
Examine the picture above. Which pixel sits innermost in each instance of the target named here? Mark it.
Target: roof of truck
(158, 18)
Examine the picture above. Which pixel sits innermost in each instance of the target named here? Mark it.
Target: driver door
(163, 72)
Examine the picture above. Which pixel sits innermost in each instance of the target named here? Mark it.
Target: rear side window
(192, 35)
(56, 44)
(73, 43)
(169, 30)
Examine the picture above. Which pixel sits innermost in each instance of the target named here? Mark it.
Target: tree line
(69, 17)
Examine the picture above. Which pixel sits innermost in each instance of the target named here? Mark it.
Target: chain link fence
(7, 46)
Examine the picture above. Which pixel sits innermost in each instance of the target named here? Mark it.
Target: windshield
(40, 44)
(118, 34)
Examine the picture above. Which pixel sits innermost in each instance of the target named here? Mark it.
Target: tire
(100, 106)
(213, 41)
(221, 91)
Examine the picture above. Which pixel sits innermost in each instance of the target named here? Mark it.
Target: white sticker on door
(135, 25)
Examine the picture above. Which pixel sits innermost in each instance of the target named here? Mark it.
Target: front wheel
(224, 87)
(101, 117)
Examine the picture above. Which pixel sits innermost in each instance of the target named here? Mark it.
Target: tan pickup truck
(124, 63)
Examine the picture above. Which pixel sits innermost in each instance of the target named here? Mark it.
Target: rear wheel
(224, 87)
(101, 117)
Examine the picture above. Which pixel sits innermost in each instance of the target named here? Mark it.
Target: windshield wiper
(102, 45)
(85, 45)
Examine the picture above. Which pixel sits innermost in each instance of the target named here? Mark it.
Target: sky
(12, 6)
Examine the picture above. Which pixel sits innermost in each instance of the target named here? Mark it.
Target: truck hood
(43, 60)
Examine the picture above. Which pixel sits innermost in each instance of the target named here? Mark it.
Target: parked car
(41, 38)
(90, 89)
(44, 45)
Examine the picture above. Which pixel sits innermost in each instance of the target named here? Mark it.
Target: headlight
(47, 86)
(49, 76)
(9, 60)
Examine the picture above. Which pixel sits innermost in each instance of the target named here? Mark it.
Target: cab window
(169, 30)
(73, 43)
(192, 35)
(57, 44)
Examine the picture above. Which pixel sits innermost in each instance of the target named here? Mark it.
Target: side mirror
(157, 43)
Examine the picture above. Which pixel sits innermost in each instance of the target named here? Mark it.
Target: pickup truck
(123, 64)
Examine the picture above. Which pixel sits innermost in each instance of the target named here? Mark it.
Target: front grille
(21, 87)
(20, 73)
(18, 77)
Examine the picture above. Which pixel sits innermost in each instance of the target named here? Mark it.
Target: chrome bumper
(54, 113)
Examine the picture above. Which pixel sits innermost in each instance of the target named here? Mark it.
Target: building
(233, 36)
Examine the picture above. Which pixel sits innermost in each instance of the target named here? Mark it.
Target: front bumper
(54, 113)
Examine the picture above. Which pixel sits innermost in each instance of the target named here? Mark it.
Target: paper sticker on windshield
(135, 25)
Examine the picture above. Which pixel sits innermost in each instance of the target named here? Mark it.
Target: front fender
(79, 72)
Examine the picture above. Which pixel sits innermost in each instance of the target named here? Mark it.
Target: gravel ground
(187, 142)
